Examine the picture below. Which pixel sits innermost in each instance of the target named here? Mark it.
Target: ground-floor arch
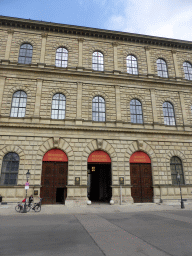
(141, 177)
(54, 177)
(99, 177)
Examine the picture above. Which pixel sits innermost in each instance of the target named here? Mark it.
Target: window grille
(162, 68)
(58, 106)
(98, 109)
(9, 170)
(132, 65)
(25, 54)
(168, 112)
(97, 61)
(18, 106)
(61, 59)
(136, 111)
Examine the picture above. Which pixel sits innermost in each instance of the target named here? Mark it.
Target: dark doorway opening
(99, 179)
(60, 195)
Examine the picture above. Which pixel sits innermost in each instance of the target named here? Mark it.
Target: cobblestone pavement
(9, 209)
(97, 230)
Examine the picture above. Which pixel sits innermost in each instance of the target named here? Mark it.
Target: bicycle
(37, 206)
(19, 207)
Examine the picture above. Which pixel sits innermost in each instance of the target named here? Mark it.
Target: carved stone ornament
(139, 144)
(44, 34)
(56, 141)
(99, 143)
(10, 31)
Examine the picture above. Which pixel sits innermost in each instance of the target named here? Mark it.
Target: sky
(163, 18)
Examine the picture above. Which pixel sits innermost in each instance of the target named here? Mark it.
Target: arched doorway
(54, 177)
(141, 177)
(99, 177)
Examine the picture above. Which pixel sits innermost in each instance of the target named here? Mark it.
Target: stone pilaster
(150, 72)
(2, 85)
(80, 61)
(38, 98)
(115, 62)
(154, 108)
(79, 103)
(183, 109)
(8, 46)
(118, 103)
(43, 46)
(177, 70)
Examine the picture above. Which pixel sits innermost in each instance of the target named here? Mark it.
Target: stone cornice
(101, 129)
(89, 74)
(49, 27)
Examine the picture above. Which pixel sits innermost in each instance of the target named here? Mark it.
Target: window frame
(64, 57)
(177, 170)
(10, 166)
(136, 113)
(169, 116)
(160, 70)
(134, 69)
(188, 66)
(19, 103)
(23, 57)
(99, 65)
(58, 109)
(98, 112)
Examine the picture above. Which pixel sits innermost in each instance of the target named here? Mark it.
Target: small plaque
(121, 180)
(93, 168)
(77, 181)
(35, 192)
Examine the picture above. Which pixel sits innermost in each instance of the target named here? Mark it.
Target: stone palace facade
(88, 111)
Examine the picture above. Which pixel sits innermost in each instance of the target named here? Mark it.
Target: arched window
(176, 167)
(97, 61)
(187, 67)
(19, 102)
(136, 111)
(168, 112)
(162, 68)
(9, 169)
(132, 65)
(58, 106)
(98, 109)
(61, 57)
(25, 54)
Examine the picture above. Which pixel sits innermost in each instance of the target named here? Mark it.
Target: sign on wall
(140, 157)
(55, 155)
(99, 156)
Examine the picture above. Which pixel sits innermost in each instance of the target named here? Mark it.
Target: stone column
(38, 98)
(150, 72)
(8, 46)
(43, 46)
(183, 108)
(79, 103)
(154, 108)
(115, 62)
(118, 104)
(80, 61)
(177, 70)
(2, 85)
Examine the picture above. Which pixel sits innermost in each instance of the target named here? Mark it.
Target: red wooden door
(54, 175)
(141, 181)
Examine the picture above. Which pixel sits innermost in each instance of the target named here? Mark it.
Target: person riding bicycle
(30, 199)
